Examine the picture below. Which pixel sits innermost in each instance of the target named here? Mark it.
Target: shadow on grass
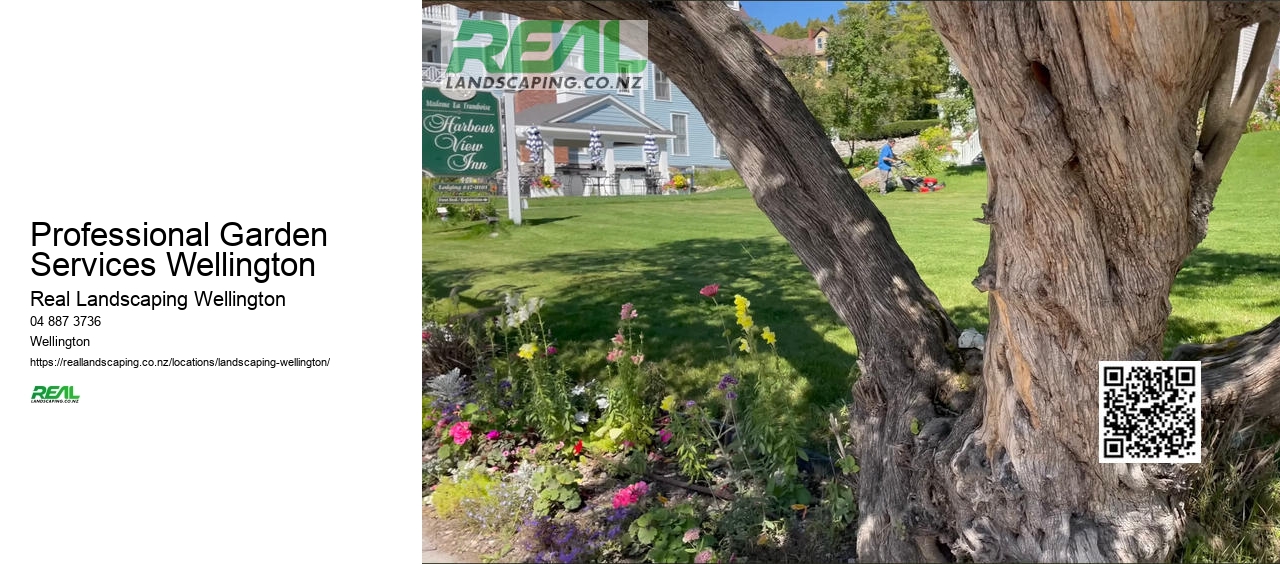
(680, 325)
(1207, 268)
(546, 220)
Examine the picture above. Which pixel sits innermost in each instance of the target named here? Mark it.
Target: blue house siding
(701, 143)
(606, 115)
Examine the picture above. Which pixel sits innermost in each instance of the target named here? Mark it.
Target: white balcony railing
(444, 14)
(432, 73)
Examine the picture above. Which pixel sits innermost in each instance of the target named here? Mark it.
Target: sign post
(513, 157)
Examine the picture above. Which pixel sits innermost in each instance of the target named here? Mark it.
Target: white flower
(581, 417)
(579, 390)
(512, 300)
(603, 402)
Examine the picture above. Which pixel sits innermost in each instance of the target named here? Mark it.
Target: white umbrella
(533, 140)
(651, 149)
(596, 148)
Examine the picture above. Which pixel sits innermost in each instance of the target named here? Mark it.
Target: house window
(680, 125)
(716, 151)
(831, 66)
(624, 71)
(821, 42)
(661, 85)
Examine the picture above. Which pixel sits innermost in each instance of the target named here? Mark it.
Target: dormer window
(821, 42)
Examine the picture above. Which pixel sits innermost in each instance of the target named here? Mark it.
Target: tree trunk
(1088, 113)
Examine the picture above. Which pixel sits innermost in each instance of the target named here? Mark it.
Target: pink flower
(692, 535)
(619, 339)
(493, 435)
(637, 359)
(615, 354)
(630, 494)
(665, 436)
(710, 290)
(460, 432)
(629, 311)
(703, 557)
(426, 335)
(550, 350)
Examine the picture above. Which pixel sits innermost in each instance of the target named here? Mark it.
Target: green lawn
(587, 256)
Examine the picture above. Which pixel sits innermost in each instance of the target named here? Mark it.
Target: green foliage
(838, 500)
(1235, 495)
(539, 386)
(937, 138)
(791, 30)
(716, 177)
(429, 196)
(633, 388)
(904, 128)
(756, 24)
(693, 448)
(672, 534)
(1259, 121)
(865, 157)
(925, 160)
(556, 487)
(770, 426)
(452, 494)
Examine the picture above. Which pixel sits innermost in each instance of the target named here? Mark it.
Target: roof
(561, 115)
(785, 47)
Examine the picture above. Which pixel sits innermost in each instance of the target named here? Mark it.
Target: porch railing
(445, 14)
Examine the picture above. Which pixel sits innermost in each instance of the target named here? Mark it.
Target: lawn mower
(916, 183)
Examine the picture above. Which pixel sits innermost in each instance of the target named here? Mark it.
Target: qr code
(1149, 412)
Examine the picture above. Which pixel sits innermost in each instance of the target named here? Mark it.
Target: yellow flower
(742, 345)
(799, 506)
(768, 336)
(741, 303)
(527, 351)
(668, 402)
(746, 322)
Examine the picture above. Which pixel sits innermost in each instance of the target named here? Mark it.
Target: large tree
(1098, 188)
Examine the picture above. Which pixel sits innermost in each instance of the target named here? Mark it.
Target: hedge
(900, 129)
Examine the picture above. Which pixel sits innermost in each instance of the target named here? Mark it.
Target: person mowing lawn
(885, 165)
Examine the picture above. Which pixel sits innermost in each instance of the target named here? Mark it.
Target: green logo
(460, 138)
(54, 394)
(593, 53)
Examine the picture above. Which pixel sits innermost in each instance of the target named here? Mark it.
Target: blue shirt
(885, 153)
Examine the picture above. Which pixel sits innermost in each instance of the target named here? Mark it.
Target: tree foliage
(889, 65)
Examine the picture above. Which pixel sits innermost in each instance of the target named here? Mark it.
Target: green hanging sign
(460, 137)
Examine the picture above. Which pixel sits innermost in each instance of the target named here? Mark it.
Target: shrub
(864, 157)
(716, 177)
(936, 138)
(900, 129)
(924, 159)
(556, 487)
(672, 534)
(466, 488)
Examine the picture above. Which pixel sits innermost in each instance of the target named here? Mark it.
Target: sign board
(460, 138)
(462, 187)
(462, 200)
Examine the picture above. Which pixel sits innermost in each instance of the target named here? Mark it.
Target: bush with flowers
(545, 182)
(519, 411)
(677, 183)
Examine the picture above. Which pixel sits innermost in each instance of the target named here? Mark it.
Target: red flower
(577, 448)
(710, 290)
(426, 336)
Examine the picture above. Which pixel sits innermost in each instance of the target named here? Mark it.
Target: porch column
(663, 167)
(610, 163)
(549, 156)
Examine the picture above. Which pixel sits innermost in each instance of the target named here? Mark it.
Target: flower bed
(613, 465)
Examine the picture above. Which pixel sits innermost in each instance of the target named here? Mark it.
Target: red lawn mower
(917, 183)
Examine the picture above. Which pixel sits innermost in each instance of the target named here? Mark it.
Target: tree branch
(1242, 370)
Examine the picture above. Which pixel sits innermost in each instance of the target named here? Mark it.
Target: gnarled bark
(1088, 112)
(1243, 370)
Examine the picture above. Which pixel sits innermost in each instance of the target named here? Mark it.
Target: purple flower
(690, 404)
(727, 381)
(731, 395)
(665, 436)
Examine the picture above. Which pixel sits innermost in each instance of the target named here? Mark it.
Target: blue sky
(774, 14)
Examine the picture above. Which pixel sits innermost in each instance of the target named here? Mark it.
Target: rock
(971, 339)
